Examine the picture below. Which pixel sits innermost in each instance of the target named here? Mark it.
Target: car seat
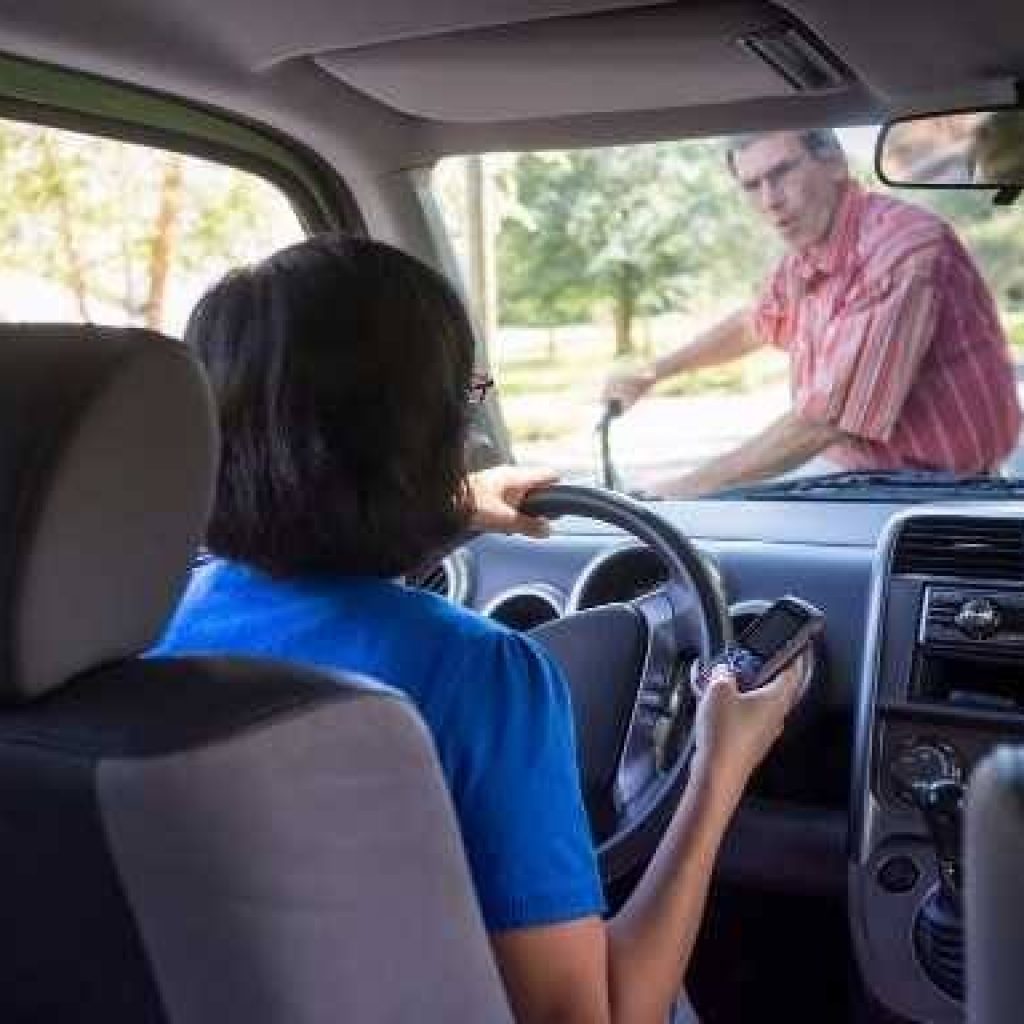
(201, 840)
(994, 905)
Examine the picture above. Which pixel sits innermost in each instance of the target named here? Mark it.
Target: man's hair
(340, 368)
(821, 143)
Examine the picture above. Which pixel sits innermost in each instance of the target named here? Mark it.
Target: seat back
(204, 839)
(994, 905)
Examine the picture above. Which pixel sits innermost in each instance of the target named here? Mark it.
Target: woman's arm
(631, 968)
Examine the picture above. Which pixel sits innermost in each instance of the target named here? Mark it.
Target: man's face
(797, 192)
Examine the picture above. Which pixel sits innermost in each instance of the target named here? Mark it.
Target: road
(667, 435)
(658, 435)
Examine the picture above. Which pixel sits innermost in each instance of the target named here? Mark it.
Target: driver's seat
(993, 861)
(191, 840)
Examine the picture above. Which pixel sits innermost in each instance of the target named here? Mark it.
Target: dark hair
(340, 368)
(821, 143)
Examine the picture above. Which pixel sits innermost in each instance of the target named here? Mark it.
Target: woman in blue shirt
(342, 370)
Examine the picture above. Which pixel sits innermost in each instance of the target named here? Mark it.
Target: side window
(99, 231)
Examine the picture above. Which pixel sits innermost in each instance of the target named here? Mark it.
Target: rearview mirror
(966, 149)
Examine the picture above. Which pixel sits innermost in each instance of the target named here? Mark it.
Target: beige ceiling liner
(312, 26)
(639, 60)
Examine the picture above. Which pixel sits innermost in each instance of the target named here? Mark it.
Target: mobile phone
(775, 638)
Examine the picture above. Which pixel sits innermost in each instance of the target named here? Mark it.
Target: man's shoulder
(884, 216)
(893, 230)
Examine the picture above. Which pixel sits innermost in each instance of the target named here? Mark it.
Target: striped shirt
(894, 338)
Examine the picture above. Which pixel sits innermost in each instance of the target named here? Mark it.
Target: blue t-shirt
(495, 702)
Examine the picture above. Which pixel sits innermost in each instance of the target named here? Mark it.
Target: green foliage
(1014, 325)
(113, 223)
(636, 230)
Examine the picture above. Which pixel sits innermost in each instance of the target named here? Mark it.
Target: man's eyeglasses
(774, 176)
(479, 386)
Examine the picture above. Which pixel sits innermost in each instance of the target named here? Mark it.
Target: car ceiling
(404, 81)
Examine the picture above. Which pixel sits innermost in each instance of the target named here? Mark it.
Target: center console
(943, 684)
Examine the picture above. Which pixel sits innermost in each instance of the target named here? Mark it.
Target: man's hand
(727, 340)
(497, 494)
(628, 386)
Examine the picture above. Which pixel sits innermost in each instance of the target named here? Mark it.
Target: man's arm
(631, 968)
(780, 447)
(727, 340)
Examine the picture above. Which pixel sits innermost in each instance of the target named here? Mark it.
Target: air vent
(449, 577)
(433, 578)
(960, 547)
(798, 57)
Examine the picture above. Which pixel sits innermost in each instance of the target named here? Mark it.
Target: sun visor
(313, 26)
(638, 60)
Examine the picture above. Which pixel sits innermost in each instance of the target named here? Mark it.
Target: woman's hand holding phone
(735, 729)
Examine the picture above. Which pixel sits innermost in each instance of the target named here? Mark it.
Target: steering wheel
(627, 666)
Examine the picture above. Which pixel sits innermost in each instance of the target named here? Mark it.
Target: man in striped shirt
(897, 356)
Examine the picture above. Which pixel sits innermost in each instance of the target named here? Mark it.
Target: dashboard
(793, 830)
(758, 551)
(919, 675)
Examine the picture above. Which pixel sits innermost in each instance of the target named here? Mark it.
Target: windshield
(762, 308)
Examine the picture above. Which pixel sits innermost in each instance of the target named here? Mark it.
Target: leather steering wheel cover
(637, 836)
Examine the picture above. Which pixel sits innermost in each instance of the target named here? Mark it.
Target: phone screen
(772, 631)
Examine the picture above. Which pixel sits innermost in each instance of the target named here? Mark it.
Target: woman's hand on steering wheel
(497, 494)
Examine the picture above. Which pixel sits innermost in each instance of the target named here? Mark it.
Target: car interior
(209, 840)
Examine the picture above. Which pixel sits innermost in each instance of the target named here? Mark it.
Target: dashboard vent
(962, 547)
(433, 578)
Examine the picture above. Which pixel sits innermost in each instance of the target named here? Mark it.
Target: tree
(117, 224)
(639, 229)
(164, 236)
(56, 186)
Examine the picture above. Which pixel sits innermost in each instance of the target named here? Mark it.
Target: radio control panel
(976, 619)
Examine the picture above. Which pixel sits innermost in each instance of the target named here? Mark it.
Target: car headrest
(108, 449)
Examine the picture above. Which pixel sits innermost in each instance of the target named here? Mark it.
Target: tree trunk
(129, 300)
(644, 330)
(625, 302)
(75, 279)
(161, 248)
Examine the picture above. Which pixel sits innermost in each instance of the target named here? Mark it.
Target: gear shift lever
(939, 928)
(941, 804)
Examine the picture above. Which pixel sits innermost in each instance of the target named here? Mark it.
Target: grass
(585, 356)
(548, 387)
(579, 367)
(535, 375)
(758, 370)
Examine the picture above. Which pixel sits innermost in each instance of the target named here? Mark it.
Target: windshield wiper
(870, 485)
